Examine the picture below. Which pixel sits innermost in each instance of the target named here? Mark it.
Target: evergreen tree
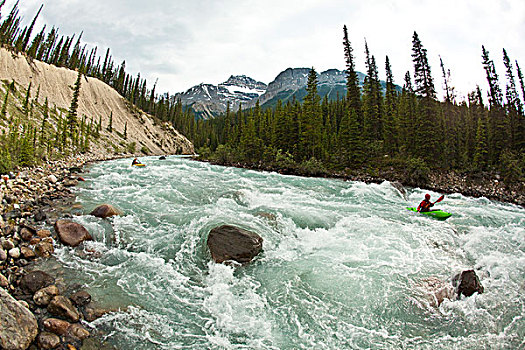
(110, 123)
(353, 92)
(422, 75)
(449, 90)
(522, 84)
(3, 111)
(390, 136)
(26, 101)
(310, 138)
(349, 140)
(513, 105)
(372, 100)
(72, 112)
(497, 128)
(25, 40)
(45, 116)
(426, 145)
(481, 153)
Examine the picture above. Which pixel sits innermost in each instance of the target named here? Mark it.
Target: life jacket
(425, 205)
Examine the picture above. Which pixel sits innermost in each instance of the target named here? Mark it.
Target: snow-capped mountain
(209, 100)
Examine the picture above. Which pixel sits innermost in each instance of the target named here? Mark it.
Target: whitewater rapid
(341, 268)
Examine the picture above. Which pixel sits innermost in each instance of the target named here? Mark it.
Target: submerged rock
(105, 211)
(18, 326)
(70, 233)
(81, 298)
(233, 243)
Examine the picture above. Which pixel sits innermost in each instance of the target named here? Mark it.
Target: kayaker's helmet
(427, 196)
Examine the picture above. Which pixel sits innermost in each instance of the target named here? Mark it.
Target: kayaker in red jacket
(425, 204)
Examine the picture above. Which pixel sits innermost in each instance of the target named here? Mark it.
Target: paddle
(439, 199)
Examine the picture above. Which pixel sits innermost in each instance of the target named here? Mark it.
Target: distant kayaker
(426, 204)
(135, 161)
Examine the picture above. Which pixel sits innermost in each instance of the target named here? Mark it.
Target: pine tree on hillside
(72, 122)
(10, 26)
(45, 117)
(110, 123)
(26, 101)
(25, 39)
(3, 111)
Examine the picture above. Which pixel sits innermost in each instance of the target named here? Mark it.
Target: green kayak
(436, 214)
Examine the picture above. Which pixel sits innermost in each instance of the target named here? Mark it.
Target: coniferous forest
(367, 131)
(372, 129)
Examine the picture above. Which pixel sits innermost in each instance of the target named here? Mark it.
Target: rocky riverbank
(40, 311)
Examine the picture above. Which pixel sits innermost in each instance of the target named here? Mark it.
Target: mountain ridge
(208, 100)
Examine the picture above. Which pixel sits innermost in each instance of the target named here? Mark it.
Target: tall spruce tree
(372, 100)
(424, 84)
(497, 125)
(72, 123)
(390, 136)
(513, 106)
(311, 122)
(353, 92)
(426, 145)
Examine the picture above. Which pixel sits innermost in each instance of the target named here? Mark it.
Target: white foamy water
(342, 266)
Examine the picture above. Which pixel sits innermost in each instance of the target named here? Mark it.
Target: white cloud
(187, 42)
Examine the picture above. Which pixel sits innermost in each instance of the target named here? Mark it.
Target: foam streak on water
(342, 266)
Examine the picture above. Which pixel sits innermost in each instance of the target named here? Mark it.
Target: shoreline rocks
(18, 325)
(31, 202)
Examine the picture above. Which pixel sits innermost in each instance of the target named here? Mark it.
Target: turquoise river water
(344, 264)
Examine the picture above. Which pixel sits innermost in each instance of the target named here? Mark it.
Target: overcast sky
(187, 42)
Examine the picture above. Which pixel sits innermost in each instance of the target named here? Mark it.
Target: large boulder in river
(467, 283)
(233, 243)
(18, 326)
(71, 233)
(105, 211)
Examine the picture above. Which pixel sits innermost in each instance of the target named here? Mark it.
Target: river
(342, 263)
